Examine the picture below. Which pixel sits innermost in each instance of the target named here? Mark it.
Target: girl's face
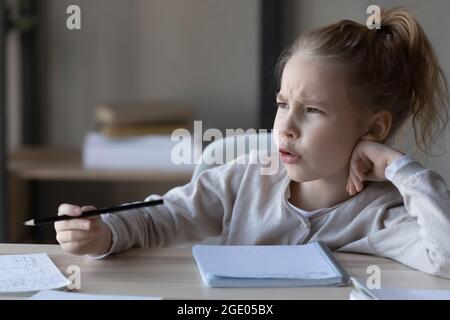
(317, 128)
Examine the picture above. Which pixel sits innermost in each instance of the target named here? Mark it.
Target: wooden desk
(172, 274)
(45, 164)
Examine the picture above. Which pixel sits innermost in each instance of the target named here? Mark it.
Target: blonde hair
(393, 68)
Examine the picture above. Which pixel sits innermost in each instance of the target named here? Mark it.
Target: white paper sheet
(28, 273)
(361, 292)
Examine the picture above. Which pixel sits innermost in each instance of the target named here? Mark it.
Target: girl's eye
(312, 110)
(281, 105)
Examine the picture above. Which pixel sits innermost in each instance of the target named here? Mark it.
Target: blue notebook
(306, 265)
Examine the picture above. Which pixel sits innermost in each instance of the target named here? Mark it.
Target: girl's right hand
(368, 162)
(82, 236)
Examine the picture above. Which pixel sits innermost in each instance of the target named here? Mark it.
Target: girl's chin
(297, 176)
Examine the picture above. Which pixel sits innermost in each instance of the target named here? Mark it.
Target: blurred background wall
(199, 52)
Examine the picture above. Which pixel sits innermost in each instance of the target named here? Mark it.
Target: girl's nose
(289, 135)
(289, 131)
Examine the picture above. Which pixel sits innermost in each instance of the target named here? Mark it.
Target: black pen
(90, 213)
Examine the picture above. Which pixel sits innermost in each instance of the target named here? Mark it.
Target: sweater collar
(372, 191)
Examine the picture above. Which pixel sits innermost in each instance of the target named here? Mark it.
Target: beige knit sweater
(406, 218)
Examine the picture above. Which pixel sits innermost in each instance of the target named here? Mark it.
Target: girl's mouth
(287, 157)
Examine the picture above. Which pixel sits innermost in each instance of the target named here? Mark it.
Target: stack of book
(137, 119)
(136, 136)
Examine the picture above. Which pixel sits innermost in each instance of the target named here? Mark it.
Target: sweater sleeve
(422, 239)
(396, 165)
(189, 214)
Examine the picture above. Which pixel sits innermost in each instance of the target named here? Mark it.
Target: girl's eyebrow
(280, 96)
(316, 102)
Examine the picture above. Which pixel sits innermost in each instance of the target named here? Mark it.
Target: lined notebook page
(32, 272)
(58, 295)
(294, 262)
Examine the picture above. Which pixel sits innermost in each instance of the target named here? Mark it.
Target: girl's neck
(321, 193)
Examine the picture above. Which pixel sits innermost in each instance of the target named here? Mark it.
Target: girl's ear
(380, 127)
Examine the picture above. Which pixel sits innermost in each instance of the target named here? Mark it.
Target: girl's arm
(422, 242)
(190, 213)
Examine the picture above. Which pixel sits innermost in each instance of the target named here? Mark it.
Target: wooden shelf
(61, 165)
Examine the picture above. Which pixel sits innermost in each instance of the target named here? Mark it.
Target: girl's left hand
(368, 163)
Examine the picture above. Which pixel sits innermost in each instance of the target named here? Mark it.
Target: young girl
(345, 91)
